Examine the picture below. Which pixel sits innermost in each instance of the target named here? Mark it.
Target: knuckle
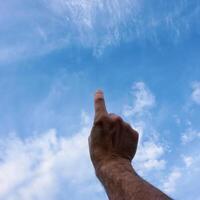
(131, 130)
(119, 119)
(115, 118)
(127, 125)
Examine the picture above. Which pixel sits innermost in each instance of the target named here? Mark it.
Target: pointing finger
(99, 104)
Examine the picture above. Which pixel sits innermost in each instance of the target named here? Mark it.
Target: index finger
(99, 104)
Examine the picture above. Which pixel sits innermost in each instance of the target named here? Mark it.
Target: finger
(99, 104)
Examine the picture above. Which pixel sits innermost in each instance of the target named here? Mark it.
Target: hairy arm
(113, 145)
(121, 182)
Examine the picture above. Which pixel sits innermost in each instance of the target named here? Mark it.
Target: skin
(112, 145)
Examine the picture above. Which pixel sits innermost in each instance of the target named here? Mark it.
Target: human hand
(111, 138)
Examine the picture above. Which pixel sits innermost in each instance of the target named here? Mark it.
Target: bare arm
(113, 145)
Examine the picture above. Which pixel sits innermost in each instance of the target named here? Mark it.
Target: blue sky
(53, 56)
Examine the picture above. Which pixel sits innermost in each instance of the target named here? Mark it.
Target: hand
(111, 138)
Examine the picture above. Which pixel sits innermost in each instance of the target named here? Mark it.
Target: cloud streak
(94, 24)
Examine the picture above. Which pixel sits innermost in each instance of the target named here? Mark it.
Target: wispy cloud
(190, 135)
(196, 92)
(48, 25)
(99, 24)
(170, 184)
(150, 157)
(143, 99)
(188, 160)
(183, 176)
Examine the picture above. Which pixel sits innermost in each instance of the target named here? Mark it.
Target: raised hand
(111, 138)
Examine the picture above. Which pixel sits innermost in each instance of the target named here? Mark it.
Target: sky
(54, 54)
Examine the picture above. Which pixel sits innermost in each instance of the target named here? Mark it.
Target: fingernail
(99, 91)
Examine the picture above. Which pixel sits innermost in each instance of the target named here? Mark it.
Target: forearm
(121, 182)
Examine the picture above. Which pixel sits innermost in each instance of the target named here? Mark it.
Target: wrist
(115, 165)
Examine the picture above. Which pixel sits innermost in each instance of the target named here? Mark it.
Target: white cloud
(149, 157)
(142, 101)
(188, 160)
(35, 168)
(170, 184)
(190, 135)
(196, 92)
